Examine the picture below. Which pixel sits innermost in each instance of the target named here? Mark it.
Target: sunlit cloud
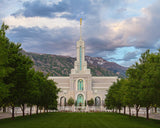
(41, 22)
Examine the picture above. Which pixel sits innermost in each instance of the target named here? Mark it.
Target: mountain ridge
(59, 65)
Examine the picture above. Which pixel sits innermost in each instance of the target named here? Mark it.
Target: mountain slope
(58, 65)
(111, 66)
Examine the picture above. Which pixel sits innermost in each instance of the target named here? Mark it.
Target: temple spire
(80, 65)
(80, 28)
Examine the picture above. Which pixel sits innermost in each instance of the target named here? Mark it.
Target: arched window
(97, 101)
(80, 100)
(62, 101)
(80, 85)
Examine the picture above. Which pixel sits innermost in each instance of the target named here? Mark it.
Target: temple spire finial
(80, 28)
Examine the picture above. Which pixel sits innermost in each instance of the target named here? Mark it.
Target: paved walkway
(153, 116)
(7, 115)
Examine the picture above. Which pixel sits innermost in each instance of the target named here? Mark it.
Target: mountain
(58, 65)
(111, 66)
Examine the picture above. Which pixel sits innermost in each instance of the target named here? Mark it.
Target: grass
(79, 120)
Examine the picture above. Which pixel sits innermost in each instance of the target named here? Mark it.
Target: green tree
(141, 87)
(91, 102)
(4, 70)
(134, 74)
(14, 67)
(70, 101)
(43, 93)
(110, 101)
(19, 84)
(49, 94)
(21, 65)
(33, 92)
(153, 75)
(113, 98)
(129, 94)
(150, 84)
(144, 77)
(22, 86)
(124, 97)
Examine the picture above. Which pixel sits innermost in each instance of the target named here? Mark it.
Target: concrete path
(153, 116)
(7, 115)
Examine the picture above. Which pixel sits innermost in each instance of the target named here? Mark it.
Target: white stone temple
(81, 85)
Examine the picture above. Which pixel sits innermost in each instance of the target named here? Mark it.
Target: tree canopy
(141, 88)
(19, 83)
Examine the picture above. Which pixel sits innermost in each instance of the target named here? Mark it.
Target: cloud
(40, 8)
(76, 8)
(140, 32)
(130, 55)
(97, 47)
(40, 22)
(7, 7)
(65, 14)
(100, 35)
(46, 40)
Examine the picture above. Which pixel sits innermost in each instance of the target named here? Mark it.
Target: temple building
(81, 85)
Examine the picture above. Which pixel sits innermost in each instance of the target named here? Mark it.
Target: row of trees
(19, 83)
(141, 88)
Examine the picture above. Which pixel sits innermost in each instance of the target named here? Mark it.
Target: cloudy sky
(117, 30)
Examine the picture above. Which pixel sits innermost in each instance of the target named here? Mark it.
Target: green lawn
(79, 120)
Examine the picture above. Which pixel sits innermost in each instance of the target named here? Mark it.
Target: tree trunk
(155, 109)
(30, 110)
(23, 109)
(129, 110)
(47, 109)
(147, 113)
(12, 112)
(37, 109)
(124, 110)
(4, 109)
(137, 110)
(119, 110)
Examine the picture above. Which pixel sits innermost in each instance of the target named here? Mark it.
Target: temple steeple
(80, 65)
(80, 28)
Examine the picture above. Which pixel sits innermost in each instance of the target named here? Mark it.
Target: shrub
(70, 101)
(91, 102)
